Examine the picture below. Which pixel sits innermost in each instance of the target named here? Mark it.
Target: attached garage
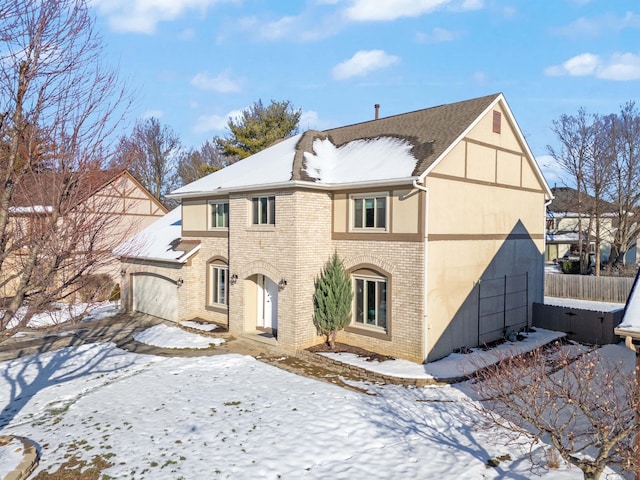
(155, 295)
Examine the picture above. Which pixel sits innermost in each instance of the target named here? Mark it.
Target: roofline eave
(180, 260)
(298, 184)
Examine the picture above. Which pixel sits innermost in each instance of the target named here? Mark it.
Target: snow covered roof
(631, 319)
(162, 240)
(391, 150)
(566, 237)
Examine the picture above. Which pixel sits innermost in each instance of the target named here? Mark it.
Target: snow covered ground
(64, 312)
(231, 416)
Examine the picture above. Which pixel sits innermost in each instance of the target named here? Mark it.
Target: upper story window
(370, 212)
(219, 214)
(263, 210)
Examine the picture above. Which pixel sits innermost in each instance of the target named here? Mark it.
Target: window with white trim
(370, 301)
(218, 214)
(218, 284)
(263, 210)
(369, 212)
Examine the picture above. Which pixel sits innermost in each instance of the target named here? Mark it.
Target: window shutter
(497, 119)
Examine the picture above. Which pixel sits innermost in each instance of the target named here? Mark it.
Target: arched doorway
(267, 305)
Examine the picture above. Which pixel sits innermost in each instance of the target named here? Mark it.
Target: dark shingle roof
(566, 200)
(43, 188)
(431, 131)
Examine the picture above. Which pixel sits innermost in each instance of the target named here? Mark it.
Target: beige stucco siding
(403, 205)
(460, 207)
(483, 166)
(508, 168)
(456, 161)
(485, 222)
(194, 215)
(340, 210)
(506, 139)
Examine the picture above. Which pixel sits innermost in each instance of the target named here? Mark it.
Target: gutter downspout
(544, 252)
(425, 296)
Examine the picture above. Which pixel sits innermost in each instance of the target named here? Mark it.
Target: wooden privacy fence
(586, 287)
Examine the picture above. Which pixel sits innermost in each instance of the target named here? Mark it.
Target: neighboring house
(563, 226)
(436, 215)
(114, 193)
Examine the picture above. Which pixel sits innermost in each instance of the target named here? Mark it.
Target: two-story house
(569, 218)
(112, 204)
(435, 213)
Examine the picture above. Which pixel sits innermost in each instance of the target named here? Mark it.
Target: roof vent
(377, 107)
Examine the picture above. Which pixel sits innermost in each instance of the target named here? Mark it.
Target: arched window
(370, 299)
(218, 283)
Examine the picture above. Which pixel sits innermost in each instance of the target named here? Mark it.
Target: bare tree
(572, 157)
(583, 405)
(151, 153)
(198, 163)
(597, 179)
(59, 108)
(624, 190)
(585, 155)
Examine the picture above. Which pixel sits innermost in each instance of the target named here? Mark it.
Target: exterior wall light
(123, 272)
(179, 282)
(233, 279)
(281, 284)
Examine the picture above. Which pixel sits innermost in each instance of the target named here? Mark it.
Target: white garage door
(155, 295)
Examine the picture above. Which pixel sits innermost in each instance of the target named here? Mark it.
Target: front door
(267, 303)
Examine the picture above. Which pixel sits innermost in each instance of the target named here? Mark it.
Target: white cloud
(622, 66)
(362, 63)
(598, 26)
(222, 83)
(308, 120)
(212, 123)
(142, 16)
(466, 5)
(187, 34)
(480, 78)
(308, 26)
(209, 123)
(383, 10)
(619, 66)
(151, 113)
(437, 35)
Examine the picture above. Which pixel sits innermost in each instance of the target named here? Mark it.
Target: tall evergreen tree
(259, 127)
(332, 299)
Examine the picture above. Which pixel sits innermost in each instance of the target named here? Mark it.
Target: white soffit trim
(298, 184)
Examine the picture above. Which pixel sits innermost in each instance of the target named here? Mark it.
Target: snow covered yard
(231, 416)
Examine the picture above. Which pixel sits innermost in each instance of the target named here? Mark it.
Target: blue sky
(192, 63)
